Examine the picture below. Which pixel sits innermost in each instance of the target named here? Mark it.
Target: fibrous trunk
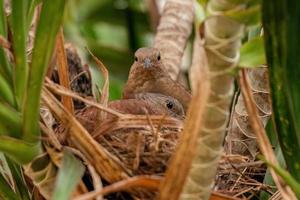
(222, 42)
(172, 33)
(241, 139)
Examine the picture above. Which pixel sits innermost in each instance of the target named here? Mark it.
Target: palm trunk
(222, 42)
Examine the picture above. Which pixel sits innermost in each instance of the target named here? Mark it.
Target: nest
(237, 176)
(142, 151)
(143, 145)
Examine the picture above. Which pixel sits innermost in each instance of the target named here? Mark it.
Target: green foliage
(21, 85)
(268, 179)
(5, 69)
(285, 175)
(19, 181)
(6, 192)
(69, 175)
(30, 11)
(50, 21)
(281, 28)
(6, 92)
(248, 16)
(112, 30)
(18, 22)
(252, 53)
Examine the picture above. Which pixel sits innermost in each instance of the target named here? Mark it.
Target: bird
(147, 75)
(143, 103)
(149, 103)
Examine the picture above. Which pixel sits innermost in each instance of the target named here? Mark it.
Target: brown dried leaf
(63, 70)
(148, 182)
(110, 169)
(103, 70)
(172, 185)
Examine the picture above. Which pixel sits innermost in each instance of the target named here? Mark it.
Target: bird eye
(158, 57)
(169, 105)
(135, 58)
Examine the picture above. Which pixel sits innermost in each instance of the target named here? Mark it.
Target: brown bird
(151, 103)
(147, 74)
(144, 103)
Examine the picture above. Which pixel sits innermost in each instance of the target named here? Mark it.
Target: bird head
(147, 57)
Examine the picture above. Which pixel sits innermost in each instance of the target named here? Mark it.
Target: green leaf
(252, 53)
(10, 119)
(286, 176)
(18, 21)
(249, 16)
(245, 2)
(24, 152)
(6, 192)
(202, 2)
(20, 184)
(31, 8)
(5, 69)
(199, 14)
(254, 31)
(6, 92)
(50, 21)
(268, 179)
(281, 31)
(69, 175)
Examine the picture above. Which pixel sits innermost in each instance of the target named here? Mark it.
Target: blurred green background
(112, 30)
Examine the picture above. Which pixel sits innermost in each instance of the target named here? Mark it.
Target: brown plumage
(144, 103)
(147, 74)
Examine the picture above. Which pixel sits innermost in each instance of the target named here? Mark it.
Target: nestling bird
(147, 75)
(149, 103)
(144, 103)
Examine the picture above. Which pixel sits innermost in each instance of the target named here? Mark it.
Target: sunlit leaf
(202, 2)
(249, 16)
(252, 53)
(69, 175)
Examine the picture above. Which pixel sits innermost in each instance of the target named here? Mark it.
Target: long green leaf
(69, 175)
(282, 27)
(18, 19)
(20, 184)
(6, 192)
(18, 150)
(3, 28)
(31, 8)
(11, 119)
(268, 180)
(6, 91)
(5, 69)
(50, 21)
(286, 176)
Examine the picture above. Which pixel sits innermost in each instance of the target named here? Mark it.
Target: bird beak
(147, 63)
